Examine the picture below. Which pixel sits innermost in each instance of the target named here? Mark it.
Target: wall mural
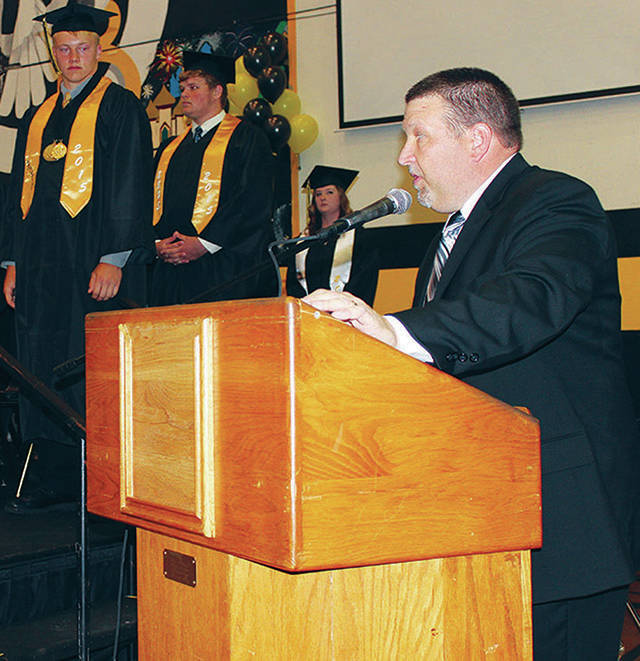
(144, 46)
(27, 75)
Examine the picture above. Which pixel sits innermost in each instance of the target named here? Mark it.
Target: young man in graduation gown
(213, 196)
(82, 180)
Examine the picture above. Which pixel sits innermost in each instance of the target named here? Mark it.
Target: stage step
(39, 585)
(54, 638)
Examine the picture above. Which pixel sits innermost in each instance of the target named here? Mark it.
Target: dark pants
(582, 629)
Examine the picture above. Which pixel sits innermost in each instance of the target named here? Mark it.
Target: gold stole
(208, 194)
(77, 181)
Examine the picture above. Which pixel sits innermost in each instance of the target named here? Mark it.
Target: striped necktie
(447, 240)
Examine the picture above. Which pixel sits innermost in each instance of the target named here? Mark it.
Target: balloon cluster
(261, 96)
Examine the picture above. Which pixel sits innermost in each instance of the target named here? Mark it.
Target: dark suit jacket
(528, 310)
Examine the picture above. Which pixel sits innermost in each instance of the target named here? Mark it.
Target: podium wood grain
(448, 609)
(266, 430)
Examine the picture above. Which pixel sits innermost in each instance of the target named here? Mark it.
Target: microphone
(397, 200)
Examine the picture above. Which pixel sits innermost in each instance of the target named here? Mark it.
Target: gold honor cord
(208, 194)
(77, 181)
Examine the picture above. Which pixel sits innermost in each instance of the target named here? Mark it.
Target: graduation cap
(325, 175)
(222, 68)
(76, 17)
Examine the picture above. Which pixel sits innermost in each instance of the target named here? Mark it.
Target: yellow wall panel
(395, 290)
(629, 273)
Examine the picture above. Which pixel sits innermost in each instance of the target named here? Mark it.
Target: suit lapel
(480, 215)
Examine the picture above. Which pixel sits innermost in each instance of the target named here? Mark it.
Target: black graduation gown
(55, 254)
(7, 333)
(363, 279)
(241, 224)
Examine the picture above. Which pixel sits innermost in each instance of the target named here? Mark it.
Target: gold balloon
(304, 131)
(233, 108)
(287, 104)
(243, 90)
(240, 68)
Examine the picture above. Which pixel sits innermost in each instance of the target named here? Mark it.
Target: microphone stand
(64, 369)
(293, 247)
(397, 200)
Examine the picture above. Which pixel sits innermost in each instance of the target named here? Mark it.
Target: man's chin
(75, 77)
(425, 199)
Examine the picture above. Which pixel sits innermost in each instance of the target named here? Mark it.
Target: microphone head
(400, 198)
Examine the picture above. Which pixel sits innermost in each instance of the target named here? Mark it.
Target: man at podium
(519, 297)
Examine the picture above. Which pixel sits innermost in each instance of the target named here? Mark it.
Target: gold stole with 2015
(208, 193)
(77, 180)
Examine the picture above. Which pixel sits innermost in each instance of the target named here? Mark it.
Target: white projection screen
(547, 51)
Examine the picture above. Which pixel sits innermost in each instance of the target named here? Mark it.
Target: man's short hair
(474, 95)
(211, 81)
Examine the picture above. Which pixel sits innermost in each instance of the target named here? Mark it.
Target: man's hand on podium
(354, 311)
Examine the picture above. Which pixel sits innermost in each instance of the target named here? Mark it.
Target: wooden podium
(305, 492)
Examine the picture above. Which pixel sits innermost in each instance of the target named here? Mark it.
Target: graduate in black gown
(213, 196)
(342, 263)
(81, 199)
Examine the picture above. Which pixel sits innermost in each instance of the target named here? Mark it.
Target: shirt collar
(468, 206)
(210, 123)
(76, 90)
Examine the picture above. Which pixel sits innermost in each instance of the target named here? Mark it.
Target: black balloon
(257, 111)
(278, 131)
(276, 45)
(272, 82)
(256, 59)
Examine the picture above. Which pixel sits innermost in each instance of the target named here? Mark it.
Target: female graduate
(341, 263)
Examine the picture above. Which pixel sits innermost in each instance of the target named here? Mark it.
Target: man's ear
(480, 136)
(217, 92)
